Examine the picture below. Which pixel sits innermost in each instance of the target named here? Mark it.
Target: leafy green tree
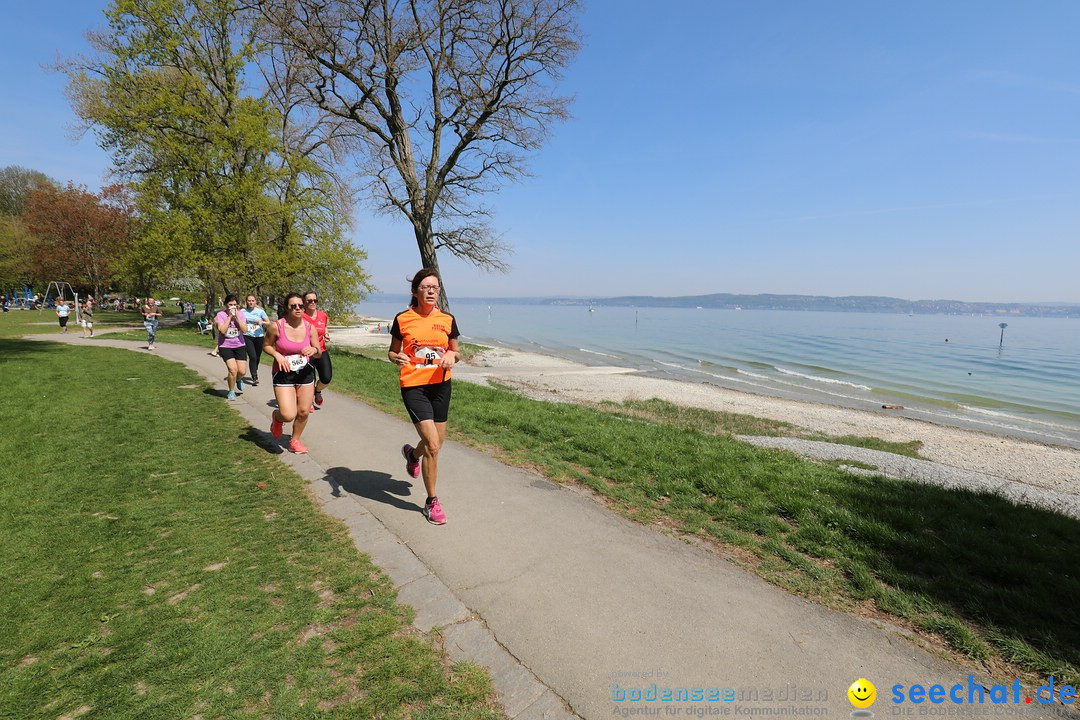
(168, 95)
(16, 254)
(15, 186)
(80, 235)
(17, 243)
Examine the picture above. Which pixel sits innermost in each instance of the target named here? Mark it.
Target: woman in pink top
(231, 327)
(293, 345)
(319, 321)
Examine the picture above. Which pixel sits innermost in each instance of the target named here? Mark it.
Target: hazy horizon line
(1046, 303)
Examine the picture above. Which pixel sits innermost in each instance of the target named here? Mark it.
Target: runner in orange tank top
(425, 347)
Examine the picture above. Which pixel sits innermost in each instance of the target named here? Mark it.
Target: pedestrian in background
(88, 318)
(150, 312)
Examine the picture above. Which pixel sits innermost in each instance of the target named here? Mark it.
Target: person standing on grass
(231, 326)
(318, 321)
(150, 312)
(425, 346)
(257, 320)
(62, 312)
(88, 318)
(292, 343)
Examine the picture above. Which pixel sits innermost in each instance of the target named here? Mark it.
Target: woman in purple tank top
(231, 327)
(291, 343)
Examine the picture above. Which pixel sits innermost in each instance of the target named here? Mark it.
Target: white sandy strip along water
(1022, 470)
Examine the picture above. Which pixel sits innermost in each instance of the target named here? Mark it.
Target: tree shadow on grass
(377, 486)
(12, 348)
(1009, 567)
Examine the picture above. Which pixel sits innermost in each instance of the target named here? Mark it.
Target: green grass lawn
(983, 577)
(147, 574)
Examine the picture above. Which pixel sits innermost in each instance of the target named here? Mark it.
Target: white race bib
(427, 356)
(296, 362)
(232, 332)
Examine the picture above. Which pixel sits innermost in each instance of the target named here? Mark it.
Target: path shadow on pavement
(377, 486)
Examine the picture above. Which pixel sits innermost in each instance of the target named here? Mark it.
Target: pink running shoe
(318, 398)
(411, 466)
(433, 512)
(297, 447)
(276, 426)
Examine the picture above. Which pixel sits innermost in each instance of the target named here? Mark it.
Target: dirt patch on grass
(181, 596)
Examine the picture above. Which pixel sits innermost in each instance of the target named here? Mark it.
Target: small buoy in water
(946, 339)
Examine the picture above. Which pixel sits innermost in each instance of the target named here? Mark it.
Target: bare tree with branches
(445, 98)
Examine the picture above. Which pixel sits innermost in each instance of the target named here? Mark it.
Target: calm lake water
(944, 368)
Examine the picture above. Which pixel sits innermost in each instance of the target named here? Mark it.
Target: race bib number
(296, 362)
(232, 332)
(427, 356)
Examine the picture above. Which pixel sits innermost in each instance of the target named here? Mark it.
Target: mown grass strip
(147, 575)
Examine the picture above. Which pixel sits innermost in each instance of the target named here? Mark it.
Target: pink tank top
(285, 346)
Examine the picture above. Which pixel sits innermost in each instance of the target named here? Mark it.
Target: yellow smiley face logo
(862, 693)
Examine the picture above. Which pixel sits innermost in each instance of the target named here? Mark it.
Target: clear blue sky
(913, 149)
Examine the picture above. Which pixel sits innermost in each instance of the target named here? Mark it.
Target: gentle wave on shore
(943, 369)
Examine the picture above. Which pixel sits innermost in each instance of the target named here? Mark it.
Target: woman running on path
(318, 320)
(231, 327)
(257, 321)
(150, 313)
(425, 346)
(292, 344)
(62, 312)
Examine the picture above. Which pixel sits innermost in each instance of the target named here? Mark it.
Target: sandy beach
(1051, 468)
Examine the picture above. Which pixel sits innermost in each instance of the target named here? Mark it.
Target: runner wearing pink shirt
(293, 345)
(318, 320)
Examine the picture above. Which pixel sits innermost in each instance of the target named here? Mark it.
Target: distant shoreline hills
(854, 303)
(822, 303)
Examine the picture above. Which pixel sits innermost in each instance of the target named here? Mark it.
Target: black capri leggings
(323, 367)
(254, 352)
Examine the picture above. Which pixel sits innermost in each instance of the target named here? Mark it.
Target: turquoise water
(1029, 386)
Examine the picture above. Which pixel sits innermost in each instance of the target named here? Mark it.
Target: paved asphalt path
(572, 606)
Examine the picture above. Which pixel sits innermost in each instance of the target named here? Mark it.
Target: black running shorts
(428, 402)
(239, 354)
(295, 378)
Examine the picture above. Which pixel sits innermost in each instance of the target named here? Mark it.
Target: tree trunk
(430, 260)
